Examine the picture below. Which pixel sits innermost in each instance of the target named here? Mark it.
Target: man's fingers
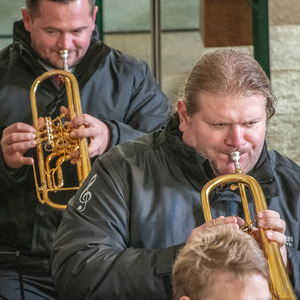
(241, 222)
(276, 237)
(268, 214)
(20, 141)
(83, 119)
(16, 160)
(83, 133)
(41, 122)
(64, 110)
(274, 224)
(270, 219)
(223, 221)
(18, 127)
(26, 160)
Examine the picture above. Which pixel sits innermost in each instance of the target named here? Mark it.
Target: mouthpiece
(64, 55)
(236, 157)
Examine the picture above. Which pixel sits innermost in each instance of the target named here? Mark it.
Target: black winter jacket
(138, 207)
(114, 87)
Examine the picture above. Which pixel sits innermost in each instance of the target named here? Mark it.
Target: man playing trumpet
(145, 196)
(120, 101)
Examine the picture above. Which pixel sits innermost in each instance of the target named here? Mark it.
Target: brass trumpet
(279, 284)
(55, 138)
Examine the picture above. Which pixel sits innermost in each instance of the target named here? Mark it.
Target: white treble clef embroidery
(86, 195)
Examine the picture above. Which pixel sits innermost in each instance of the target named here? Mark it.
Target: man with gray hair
(141, 202)
(120, 101)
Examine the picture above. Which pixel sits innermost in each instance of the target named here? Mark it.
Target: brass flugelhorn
(54, 137)
(279, 284)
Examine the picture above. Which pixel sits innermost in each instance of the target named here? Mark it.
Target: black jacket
(114, 87)
(139, 206)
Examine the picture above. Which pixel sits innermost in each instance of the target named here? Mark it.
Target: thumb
(41, 122)
(64, 110)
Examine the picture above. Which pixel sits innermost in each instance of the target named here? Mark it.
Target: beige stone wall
(284, 12)
(283, 129)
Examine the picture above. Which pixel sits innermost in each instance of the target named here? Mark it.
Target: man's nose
(235, 136)
(65, 41)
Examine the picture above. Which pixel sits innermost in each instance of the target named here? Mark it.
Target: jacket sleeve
(147, 110)
(92, 257)
(9, 179)
(294, 261)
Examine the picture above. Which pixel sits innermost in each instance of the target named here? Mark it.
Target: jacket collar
(184, 155)
(199, 167)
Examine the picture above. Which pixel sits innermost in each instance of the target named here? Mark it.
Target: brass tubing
(280, 285)
(83, 165)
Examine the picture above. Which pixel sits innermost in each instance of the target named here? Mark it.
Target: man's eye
(219, 125)
(77, 31)
(51, 31)
(250, 124)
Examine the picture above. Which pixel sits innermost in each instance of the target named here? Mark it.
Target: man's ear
(183, 117)
(26, 19)
(95, 15)
(185, 298)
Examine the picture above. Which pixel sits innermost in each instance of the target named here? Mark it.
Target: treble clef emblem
(86, 195)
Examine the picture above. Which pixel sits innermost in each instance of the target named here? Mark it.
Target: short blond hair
(231, 251)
